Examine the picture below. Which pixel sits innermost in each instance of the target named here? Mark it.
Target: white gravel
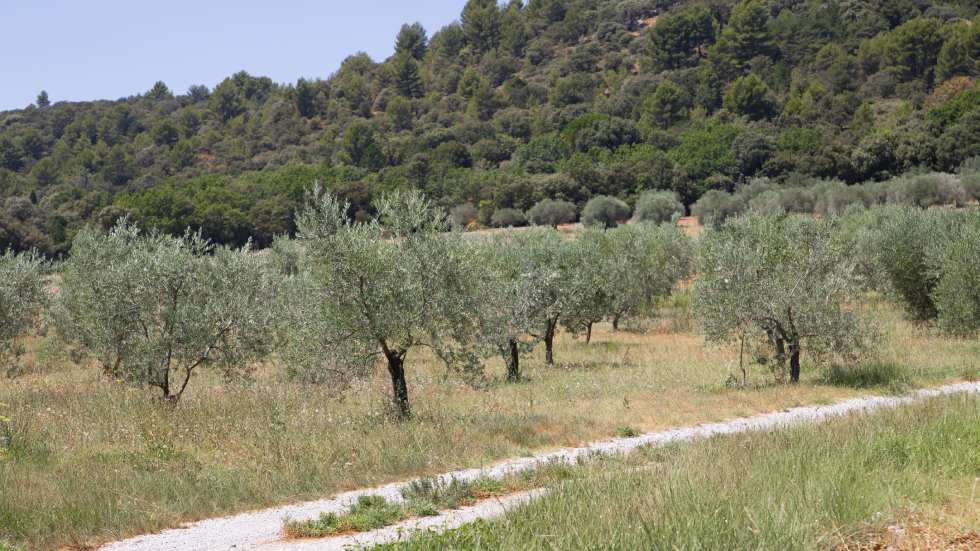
(262, 529)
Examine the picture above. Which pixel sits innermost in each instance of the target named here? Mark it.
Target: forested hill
(513, 104)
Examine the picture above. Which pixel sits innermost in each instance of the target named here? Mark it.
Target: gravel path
(262, 529)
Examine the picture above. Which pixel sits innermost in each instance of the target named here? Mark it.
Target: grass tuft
(368, 513)
(626, 431)
(871, 375)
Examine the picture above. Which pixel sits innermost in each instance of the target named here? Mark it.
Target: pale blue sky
(107, 49)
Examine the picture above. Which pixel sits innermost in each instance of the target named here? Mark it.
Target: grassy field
(907, 478)
(91, 461)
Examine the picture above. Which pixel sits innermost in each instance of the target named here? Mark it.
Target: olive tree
(604, 211)
(376, 290)
(658, 207)
(954, 263)
(22, 297)
(787, 279)
(154, 309)
(586, 272)
(644, 264)
(622, 272)
(552, 212)
(906, 237)
(545, 257)
(514, 298)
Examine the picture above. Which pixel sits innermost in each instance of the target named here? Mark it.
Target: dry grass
(94, 461)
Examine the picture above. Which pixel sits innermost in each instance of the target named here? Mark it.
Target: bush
(658, 207)
(716, 206)
(552, 212)
(463, 215)
(604, 211)
(508, 218)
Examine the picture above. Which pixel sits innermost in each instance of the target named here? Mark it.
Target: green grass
(91, 460)
(423, 497)
(871, 375)
(368, 513)
(817, 487)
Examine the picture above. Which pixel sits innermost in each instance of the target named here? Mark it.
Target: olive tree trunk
(794, 362)
(549, 342)
(513, 362)
(399, 388)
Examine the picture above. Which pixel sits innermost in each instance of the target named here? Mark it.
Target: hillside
(514, 104)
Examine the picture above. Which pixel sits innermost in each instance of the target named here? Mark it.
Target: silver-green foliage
(153, 309)
(787, 280)
(956, 267)
(658, 207)
(373, 291)
(515, 295)
(623, 272)
(22, 298)
(645, 263)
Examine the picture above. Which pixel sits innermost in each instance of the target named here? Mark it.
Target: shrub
(658, 207)
(604, 211)
(716, 206)
(153, 309)
(508, 218)
(552, 212)
(463, 215)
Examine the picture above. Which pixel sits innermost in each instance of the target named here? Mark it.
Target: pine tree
(42, 99)
(481, 24)
(413, 40)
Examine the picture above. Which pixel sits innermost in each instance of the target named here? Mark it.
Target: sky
(108, 49)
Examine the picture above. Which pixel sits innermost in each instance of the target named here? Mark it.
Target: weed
(368, 513)
(626, 431)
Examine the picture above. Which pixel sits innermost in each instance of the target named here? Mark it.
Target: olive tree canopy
(373, 291)
(22, 297)
(514, 298)
(786, 279)
(153, 309)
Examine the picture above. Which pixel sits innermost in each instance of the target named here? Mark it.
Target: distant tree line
(562, 100)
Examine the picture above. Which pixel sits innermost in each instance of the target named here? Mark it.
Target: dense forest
(513, 104)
